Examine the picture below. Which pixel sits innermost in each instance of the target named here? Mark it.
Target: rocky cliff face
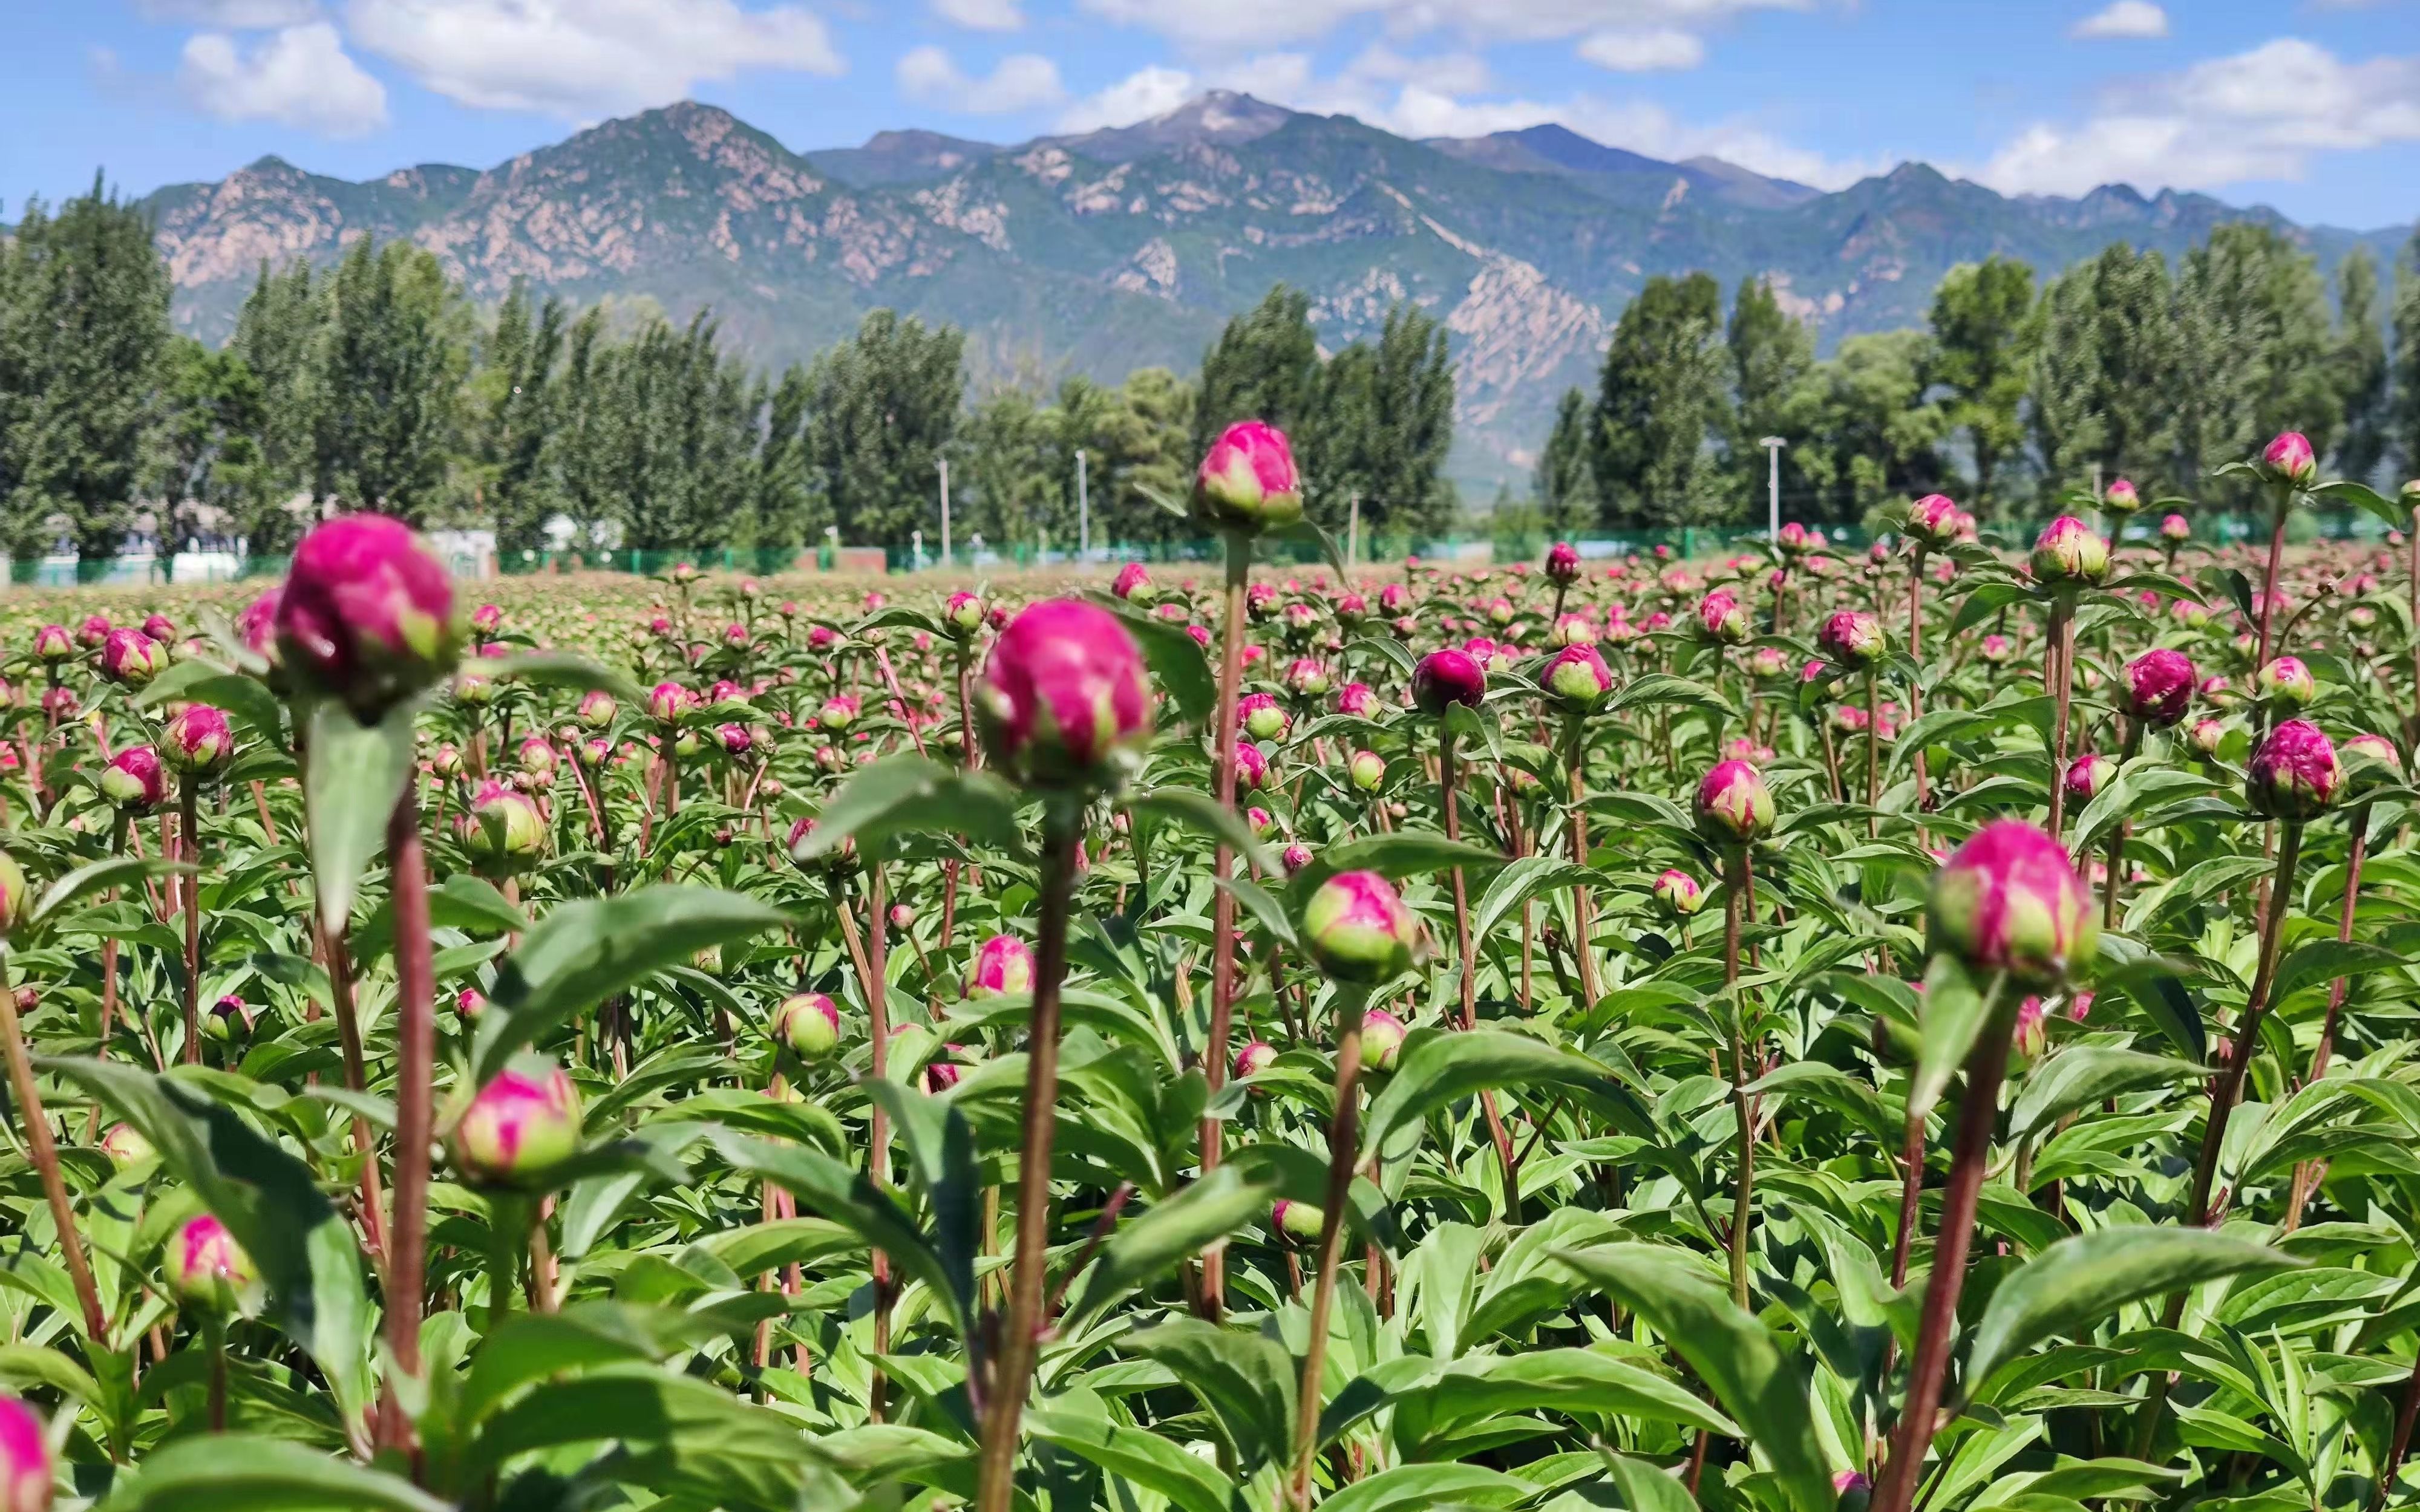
(1129, 247)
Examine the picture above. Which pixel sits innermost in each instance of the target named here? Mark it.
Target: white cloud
(236, 15)
(1023, 81)
(579, 58)
(299, 77)
(2125, 17)
(1231, 23)
(2260, 114)
(1661, 49)
(1137, 97)
(980, 15)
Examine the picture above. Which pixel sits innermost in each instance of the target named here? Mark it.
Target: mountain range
(1129, 247)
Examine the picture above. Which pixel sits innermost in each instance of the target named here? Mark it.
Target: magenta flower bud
(1793, 539)
(838, 713)
(206, 1267)
(1576, 680)
(1734, 806)
(1680, 893)
(1261, 716)
(809, 1024)
(2088, 775)
(1251, 767)
(1562, 563)
(447, 760)
(2285, 683)
(2160, 687)
(2370, 762)
(2294, 773)
(1998, 649)
(2175, 529)
(1260, 821)
(1062, 702)
(468, 1004)
(124, 1145)
(1357, 928)
(1295, 858)
(487, 619)
(521, 1125)
(94, 631)
(1722, 619)
(734, 739)
(1381, 1039)
(52, 643)
(2289, 460)
(1853, 639)
(134, 781)
(2033, 1029)
(594, 752)
(1394, 598)
(667, 702)
(1305, 677)
(1933, 520)
(199, 744)
(475, 689)
(1357, 700)
(503, 830)
(25, 1469)
(2070, 552)
(1298, 1222)
(1499, 612)
(367, 616)
(597, 709)
(130, 658)
(1368, 769)
(1004, 968)
(964, 616)
(2206, 737)
(1254, 1058)
(2119, 498)
(1571, 630)
(1247, 482)
(1135, 586)
(536, 754)
(2008, 899)
(1444, 678)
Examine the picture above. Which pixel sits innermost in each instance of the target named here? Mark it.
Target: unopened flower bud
(135, 780)
(2160, 687)
(1063, 700)
(2285, 683)
(1297, 1222)
(1248, 482)
(2370, 762)
(1734, 806)
(368, 615)
(2289, 461)
(1358, 928)
(1853, 639)
(1576, 680)
(2294, 773)
(130, 658)
(2008, 900)
(206, 1267)
(501, 830)
(1004, 968)
(1679, 893)
(2069, 552)
(2088, 775)
(521, 1125)
(808, 1024)
(198, 743)
(1445, 678)
(1562, 563)
(2120, 498)
(1722, 619)
(1381, 1039)
(1368, 769)
(1254, 1058)
(1135, 586)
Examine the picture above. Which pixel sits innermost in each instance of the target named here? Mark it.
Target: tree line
(2121, 366)
(377, 383)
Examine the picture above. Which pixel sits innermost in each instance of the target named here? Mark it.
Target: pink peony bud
(93, 632)
(2119, 498)
(597, 709)
(535, 754)
(199, 744)
(2070, 552)
(368, 615)
(1135, 586)
(1575, 680)
(2289, 460)
(486, 619)
(1734, 806)
(1004, 968)
(521, 1125)
(1721, 620)
(468, 1004)
(135, 780)
(1793, 539)
(1445, 678)
(1295, 858)
(2370, 762)
(2088, 775)
(1998, 649)
(838, 712)
(1679, 893)
(2294, 773)
(1853, 639)
(2206, 737)
(1305, 677)
(206, 1267)
(1062, 702)
(1251, 767)
(1254, 1058)
(501, 830)
(1357, 700)
(130, 658)
(2285, 683)
(1381, 1039)
(1261, 716)
(2160, 687)
(1357, 928)
(667, 702)
(1298, 1222)
(1571, 630)
(964, 615)
(124, 1145)
(1247, 482)
(1367, 770)
(2008, 900)
(808, 1024)
(2175, 529)
(52, 643)
(1563, 563)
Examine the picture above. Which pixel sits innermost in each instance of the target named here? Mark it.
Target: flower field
(1925, 1028)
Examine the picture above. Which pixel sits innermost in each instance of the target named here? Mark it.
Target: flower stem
(45, 1154)
(2059, 668)
(1916, 653)
(1978, 1115)
(1342, 1136)
(189, 830)
(1222, 948)
(1735, 869)
(2269, 577)
(415, 1062)
(2118, 832)
(2307, 1177)
(1873, 765)
(1012, 1368)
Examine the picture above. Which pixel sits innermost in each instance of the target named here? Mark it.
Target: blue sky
(2310, 105)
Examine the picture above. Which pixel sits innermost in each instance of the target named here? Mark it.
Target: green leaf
(848, 1198)
(1437, 1069)
(1952, 1016)
(2396, 516)
(1246, 1380)
(244, 1473)
(2082, 1075)
(1176, 660)
(1392, 652)
(698, 1437)
(2137, 790)
(585, 951)
(2085, 1278)
(1732, 1350)
(353, 778)
(910, 795)
(534, 1347)
(1406, 853)
(567, 669)
(1563, 1381)
(2324, 960)
(1521, 881)
(1148, 1246)
(1983, 601)
(941, 1148)
(1137, 1455)
(246, 699)
(1196, 810)
(84, 881)
(1420, 1488)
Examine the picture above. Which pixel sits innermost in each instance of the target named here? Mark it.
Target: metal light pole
(945, 511)
(1773, 445)
(1083, 511)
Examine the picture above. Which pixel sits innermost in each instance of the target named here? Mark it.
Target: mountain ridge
(1103, 251)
